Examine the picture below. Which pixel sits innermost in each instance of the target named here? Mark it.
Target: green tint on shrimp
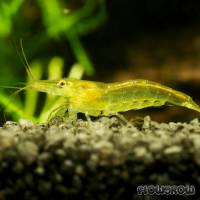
(97, 98)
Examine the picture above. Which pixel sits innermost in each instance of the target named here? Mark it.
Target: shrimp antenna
(9, 87)
(18, 91)
(15, 93)
(27, 67)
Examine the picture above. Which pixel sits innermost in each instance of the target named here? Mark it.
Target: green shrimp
(105, 99)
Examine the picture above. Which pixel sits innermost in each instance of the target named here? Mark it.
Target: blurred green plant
(28, 109)
(73, 24)
(7, 10)
(60, 20)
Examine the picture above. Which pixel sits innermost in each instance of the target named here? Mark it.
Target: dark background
(155, 40)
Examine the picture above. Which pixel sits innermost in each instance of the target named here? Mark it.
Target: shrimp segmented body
(98, 98)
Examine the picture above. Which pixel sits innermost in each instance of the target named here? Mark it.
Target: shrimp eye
(61, 83)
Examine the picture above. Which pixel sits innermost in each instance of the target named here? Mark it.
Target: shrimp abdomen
(140, 94)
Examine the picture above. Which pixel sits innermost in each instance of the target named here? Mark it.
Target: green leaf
(8, 8)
